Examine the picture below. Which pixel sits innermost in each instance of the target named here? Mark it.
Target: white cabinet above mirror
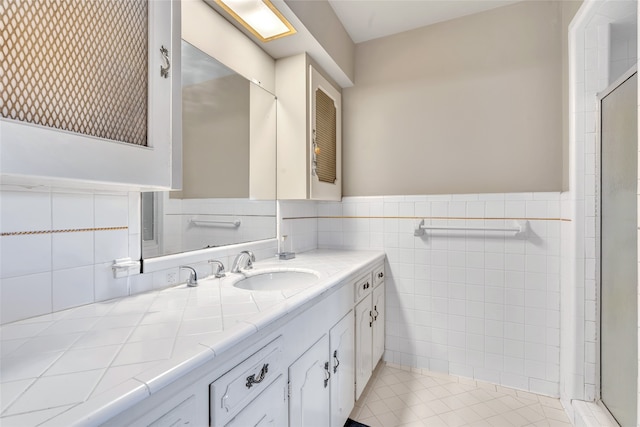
(99, 116)
(309, 131)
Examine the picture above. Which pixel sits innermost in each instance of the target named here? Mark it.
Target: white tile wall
(623, 48)
(257, 222)
(481, 307)
(602, 47)
(475, 304)
(299, 223)
(57, 269)
(70, 263)
(596, 79)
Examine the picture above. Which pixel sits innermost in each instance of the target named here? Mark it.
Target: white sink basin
(276, 280)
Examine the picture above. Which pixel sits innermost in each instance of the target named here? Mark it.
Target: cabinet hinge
(288, 389)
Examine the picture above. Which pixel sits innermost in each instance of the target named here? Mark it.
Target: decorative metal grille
(325, 150)
(76, 65)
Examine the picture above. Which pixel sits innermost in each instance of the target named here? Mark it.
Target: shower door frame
(598, 221)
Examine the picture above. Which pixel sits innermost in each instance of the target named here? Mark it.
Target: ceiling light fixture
(260, 17)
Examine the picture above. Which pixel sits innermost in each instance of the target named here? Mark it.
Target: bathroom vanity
(218, 354)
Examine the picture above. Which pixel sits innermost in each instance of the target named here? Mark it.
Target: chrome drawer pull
(375, 316)
(335, 356)
(380, 275)
(251, 379)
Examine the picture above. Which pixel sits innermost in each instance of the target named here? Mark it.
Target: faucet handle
(193, 275)
(218, 269)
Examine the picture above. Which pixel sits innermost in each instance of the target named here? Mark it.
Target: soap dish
(286, 255)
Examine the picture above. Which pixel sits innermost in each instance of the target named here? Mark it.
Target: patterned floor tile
(400, 398)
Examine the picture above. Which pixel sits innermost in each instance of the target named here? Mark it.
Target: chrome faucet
(193, 276)
(218, 269)
(246, 258)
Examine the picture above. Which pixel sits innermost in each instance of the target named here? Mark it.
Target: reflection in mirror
(229, 164)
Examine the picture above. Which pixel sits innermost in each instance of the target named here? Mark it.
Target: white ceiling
(370, 19)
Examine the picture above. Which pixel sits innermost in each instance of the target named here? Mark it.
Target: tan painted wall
(215, 139)
(326, 28)
(466, 106)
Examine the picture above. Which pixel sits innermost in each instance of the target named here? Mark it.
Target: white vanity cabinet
(369, 325)
(364, 343)
(34, 152)
(342, 383)
(377, 336)
(296, 369)
(321, 381)
(309, 122)
(309, 392)
(378, 301)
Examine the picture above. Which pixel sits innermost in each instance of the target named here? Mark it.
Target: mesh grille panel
(76, 65)
(325, 137)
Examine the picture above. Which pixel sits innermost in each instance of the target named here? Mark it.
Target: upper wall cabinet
(91, 93)
(309, 132)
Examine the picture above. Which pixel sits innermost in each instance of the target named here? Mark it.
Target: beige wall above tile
(472, 105)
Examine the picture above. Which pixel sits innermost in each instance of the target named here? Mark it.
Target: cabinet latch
(327, 374)
(164, 71)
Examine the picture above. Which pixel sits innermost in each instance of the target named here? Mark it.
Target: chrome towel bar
(214, 223)
(520, 228)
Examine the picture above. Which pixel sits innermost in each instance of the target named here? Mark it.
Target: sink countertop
(108, 356)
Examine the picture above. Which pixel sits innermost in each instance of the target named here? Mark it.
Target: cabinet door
(309, 377)
(378, 324)
(268, 409)
(42, 151)
(326, 139)
(341, 339)
(364, 323)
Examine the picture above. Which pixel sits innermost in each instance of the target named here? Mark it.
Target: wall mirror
(229, 164)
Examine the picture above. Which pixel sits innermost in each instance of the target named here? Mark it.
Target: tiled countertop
(87, 364)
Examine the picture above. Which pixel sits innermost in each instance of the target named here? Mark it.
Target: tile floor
(396, 397)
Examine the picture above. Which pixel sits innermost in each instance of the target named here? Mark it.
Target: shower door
(618, 260)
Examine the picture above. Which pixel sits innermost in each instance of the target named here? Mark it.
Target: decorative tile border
(429, 217)
(68, 230)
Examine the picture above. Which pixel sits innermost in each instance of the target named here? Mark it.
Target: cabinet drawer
(235, 389)
(181, 415)
(362, 287)
(378, 275)
(268, 409)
